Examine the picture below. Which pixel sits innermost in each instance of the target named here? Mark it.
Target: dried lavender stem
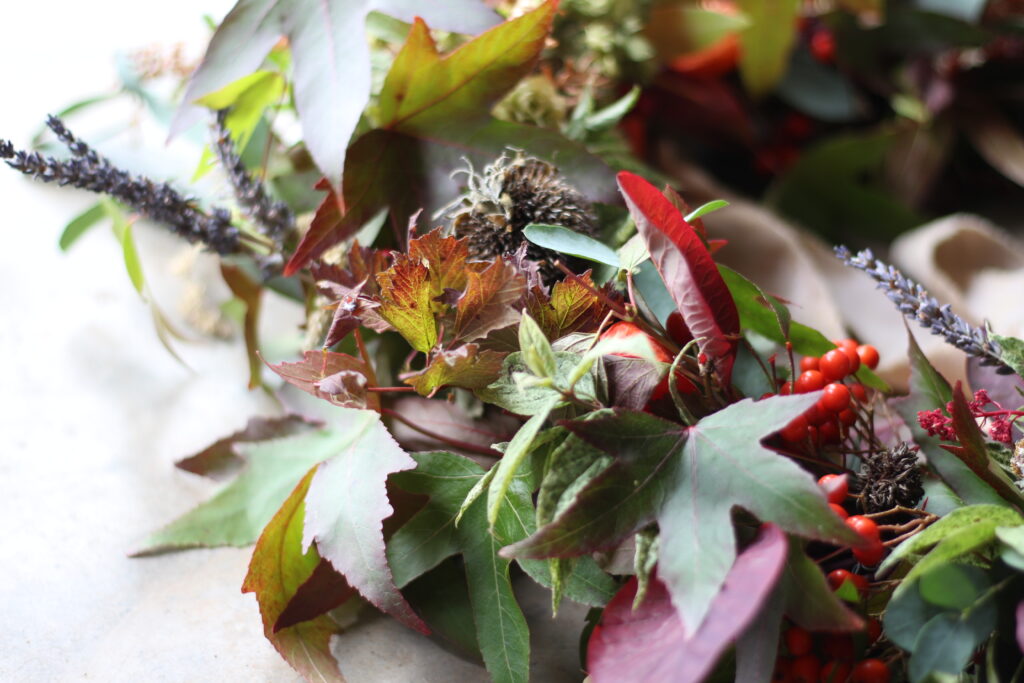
(915, 303)
(158, 201)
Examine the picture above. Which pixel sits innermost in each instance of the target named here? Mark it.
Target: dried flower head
(889, 478)
(509, 195)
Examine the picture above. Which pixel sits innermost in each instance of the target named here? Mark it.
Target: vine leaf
(279, 567)
(689, 479)
(468, 367)
(330, 54)
(689, 272)
(406, 302)
(347, 504)
(653, 643)
(329, 375)
(434, 115)
(489, 301)
(573, 306)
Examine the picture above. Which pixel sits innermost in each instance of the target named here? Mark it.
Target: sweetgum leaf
(689, 479)
(330, 55)
(489, 300)
(324, 590)
(317, 366)
(347, 504)
(689, 272)
(434, 116)
(279, 566)
(653, 643)
(467, 366)
(930, 390)
(237, 514)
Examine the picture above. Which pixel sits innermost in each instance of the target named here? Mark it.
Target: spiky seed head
(889, 478)
(511, 193)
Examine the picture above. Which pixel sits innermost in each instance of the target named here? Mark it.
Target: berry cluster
(828, 420)
(807, 657)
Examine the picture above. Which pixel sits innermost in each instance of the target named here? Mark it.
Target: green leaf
(705, 209)
(406, 302)
(929, 390)
(945, 645)
(331, 60)
(123, 231)
(567, 241)
(466, 366)
(535, 349)
(766, 42)
(1012, 352)
(529, 399)
(513, 458)
(809, 600)
(80, 224)
(905, 616)
(347, 504)
(279, 566)
(657, 467)
(238, 513)
(953, 586)
(433, 116)
(585, 122)
(961, 531)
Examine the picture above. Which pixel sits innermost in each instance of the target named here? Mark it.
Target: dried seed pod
(509, 195)
(889, 478)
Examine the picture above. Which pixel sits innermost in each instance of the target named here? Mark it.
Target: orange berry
(868, 355)
(809, 381)
(847, 417)
(836, 398)
(795, 431)
(871, 671)
(798, 641)
(835, 486)
(809, 363)
(835, 365)
(805, 669)
(839, 510)
(859, 392)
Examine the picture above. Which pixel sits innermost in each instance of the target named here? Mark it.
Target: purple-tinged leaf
(346, 506)
(330, 54)
(277, 569)
(317, 367)
(652, 643)
(221, 458)
(689, 272)
(489, 301)
(631, 381)
(467, 366)
(1020, 625)
(324, 590)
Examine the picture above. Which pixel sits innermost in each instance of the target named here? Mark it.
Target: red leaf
(318, 366)
(324, 590)
(652, 643)
(688, 270)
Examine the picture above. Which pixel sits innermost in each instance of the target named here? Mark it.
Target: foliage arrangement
(607, 388)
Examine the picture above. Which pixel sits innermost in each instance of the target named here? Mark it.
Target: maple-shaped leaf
(347, 504)
(689, 479)
(489, 300)
(236, 515)
(432, 535)
(572, 307)
(332, 377)
(434, 116)
(330, 55)
(445, 259)
(468, 367)
(651, 643)
(279, 567)
(689, 272)
(407, 303)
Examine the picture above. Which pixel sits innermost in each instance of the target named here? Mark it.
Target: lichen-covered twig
(158, 201)
(915, 303)
(273, 219)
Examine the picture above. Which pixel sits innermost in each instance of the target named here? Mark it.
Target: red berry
(767, 394)
(836, 398)
(851, 355)
(813, 434)
(874, 629)
(809, 363)
(859, 392)
(871, 555)
(830, 432)
(871, 671)
(798, 641)
(795, 431)
(836, 487)
(624, 330)
(805, 669)
(809, 381)
(837, 577)
(839, 510)
(782, 668)
(847, 417)
(816, 414)
(868, 355)
(823, 45)
(835, 365)
(835, 672)
(846, 343)
(786, 389)
(839, 647)
(865, 527)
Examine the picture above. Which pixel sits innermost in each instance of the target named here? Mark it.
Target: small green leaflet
(123, 231)
(566, 241)
(705, 209)
(513, 458)
(1012, 352)
(80, 224)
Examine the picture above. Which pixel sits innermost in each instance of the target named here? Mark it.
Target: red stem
(454, 443)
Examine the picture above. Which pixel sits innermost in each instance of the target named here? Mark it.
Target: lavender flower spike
(915, 303)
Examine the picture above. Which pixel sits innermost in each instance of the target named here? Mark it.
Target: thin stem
(454, 443)
(370, 374)
(391, 389)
